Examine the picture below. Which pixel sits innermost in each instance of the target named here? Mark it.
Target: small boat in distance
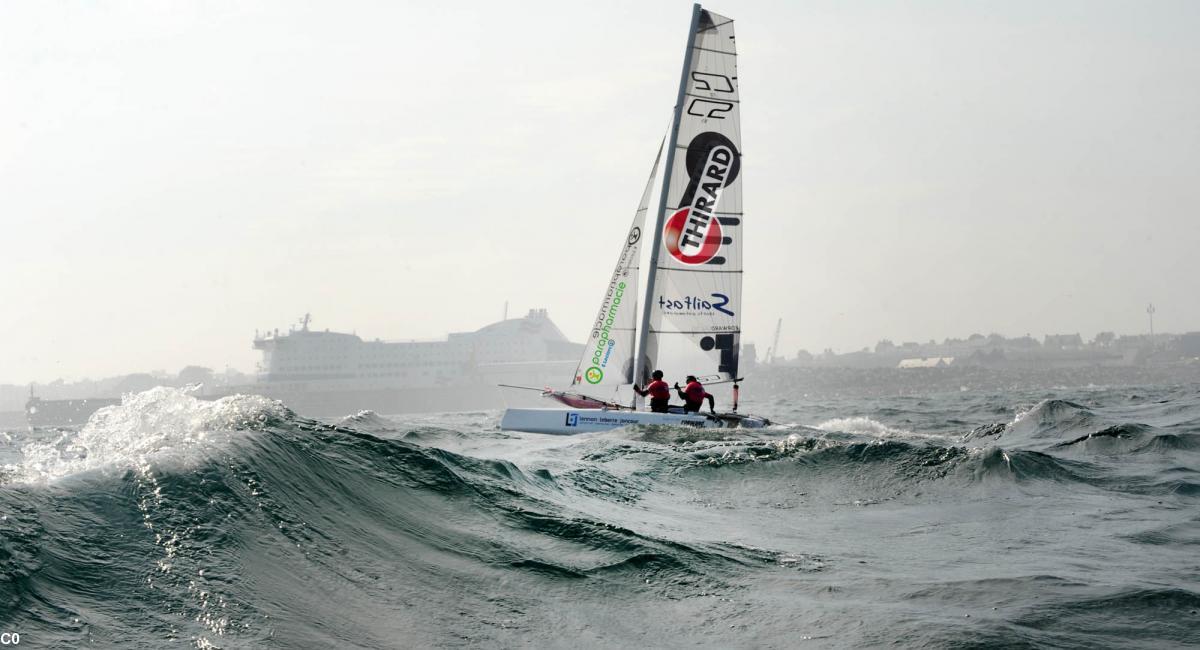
(690, 321)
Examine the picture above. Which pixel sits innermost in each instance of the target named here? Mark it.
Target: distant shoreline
(782, 380)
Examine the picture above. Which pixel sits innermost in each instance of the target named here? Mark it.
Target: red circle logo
(673, 235)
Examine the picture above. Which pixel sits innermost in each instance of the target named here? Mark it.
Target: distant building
(926, 362)
(748, 359)
(1026, 341)
(1104, 339)
(1063, 342)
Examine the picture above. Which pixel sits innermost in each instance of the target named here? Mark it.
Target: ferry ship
(324, 374)
(330, 374)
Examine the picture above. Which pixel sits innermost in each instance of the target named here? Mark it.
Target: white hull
(560, 421)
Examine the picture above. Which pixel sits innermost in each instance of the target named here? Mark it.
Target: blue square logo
(572, 419)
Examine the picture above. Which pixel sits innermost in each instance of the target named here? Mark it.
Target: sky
(174, 176)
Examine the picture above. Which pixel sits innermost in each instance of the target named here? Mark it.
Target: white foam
(861, 425)
(1021, 414)
(156, 424)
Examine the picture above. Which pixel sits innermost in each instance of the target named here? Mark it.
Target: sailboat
(690, 317)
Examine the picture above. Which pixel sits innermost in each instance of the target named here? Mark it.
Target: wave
(881, 470)
(369, 421)
(1062, 426)
(238, 524)
(1092, 621)
(167, 523)
(1111, 439)
(1170, 442)
(1182, 534)
(862, 425)
(1066, 615)
(1053, 418)
(159, 423)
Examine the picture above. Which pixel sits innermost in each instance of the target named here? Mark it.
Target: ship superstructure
(307, 355)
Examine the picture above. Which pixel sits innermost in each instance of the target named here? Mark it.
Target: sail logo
(693, 235)
(718, 302)
(603, 331)
(710, 107)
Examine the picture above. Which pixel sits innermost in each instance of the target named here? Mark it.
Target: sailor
(693, 396)
(658, 391)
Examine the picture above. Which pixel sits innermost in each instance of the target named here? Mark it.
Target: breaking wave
(158, 424)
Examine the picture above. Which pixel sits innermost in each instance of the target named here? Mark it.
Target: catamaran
(690, 321)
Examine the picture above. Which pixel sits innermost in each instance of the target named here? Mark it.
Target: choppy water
(1068, 518)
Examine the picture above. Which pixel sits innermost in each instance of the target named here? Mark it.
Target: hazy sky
(175, 175)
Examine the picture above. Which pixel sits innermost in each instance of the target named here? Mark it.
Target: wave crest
(862, 425)
(160, 422)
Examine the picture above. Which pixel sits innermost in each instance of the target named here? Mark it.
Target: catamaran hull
(565, 422)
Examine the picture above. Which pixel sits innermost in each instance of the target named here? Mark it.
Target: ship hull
(64, 412)
(333, 403)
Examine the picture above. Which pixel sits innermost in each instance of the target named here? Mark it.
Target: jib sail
(608, 353)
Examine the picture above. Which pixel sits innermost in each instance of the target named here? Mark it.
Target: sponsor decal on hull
(612, 418)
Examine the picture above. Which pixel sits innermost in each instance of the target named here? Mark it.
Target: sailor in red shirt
(658, 391)
(693, 396)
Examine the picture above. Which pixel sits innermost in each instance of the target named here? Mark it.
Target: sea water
(1043, 518)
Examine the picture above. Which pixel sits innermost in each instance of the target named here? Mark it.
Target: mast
(639, 360)
(773, 351)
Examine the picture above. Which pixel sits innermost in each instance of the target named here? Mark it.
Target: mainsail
(694, 290)
(608, 354)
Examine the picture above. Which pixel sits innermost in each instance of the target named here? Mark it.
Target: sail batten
(714, 51)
